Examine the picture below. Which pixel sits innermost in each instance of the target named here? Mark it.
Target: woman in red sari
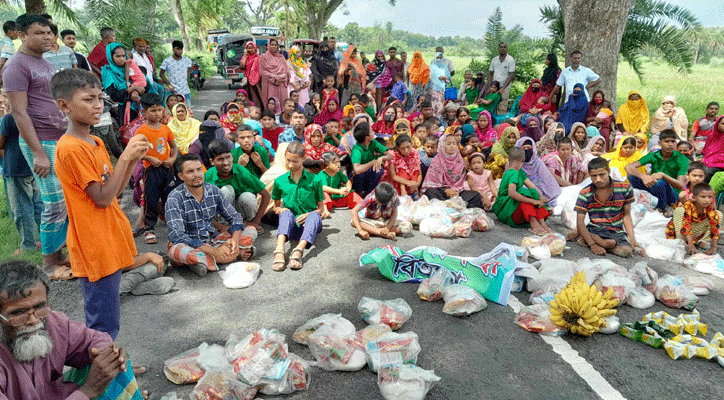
(274, 73)
(250, 64)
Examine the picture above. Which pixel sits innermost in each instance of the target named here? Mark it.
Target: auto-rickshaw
(213, 36)
(228, 56)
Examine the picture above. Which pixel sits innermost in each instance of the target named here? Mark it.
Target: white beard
(31, 343)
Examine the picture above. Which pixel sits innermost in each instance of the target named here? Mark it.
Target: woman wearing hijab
(538, 173)
(274, 73)
(419, 74)
(633, 115)
(379, 75)
(233, 117)
(208, 131)
(300, 75)
(402, 127)
(533, 129)
(669, 116)
(579, 136)
(549, 78)
(625, 153)
(113, 76)
(330, 110)
(565, 164)
(250, 64)
(313, 107)
(596, 147)
(314, 149)
(500, 151)
(529, 102)
(445, 178)
(642, 141)
(484, 127)
(323, 64)
(549, 142)
(184, 127)
(713, 151)
(439, 79)
(352, 73)
(385, 125)
(575, 108)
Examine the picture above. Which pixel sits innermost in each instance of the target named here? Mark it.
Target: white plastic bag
(297, 377)
(612, 325)
(391, 349)
(672, 291)
(335, 351)
(713, 265)
(240, 274)
(217, 384)
(405, 382)
(212, 357)
(640, 298)
(392, 313)
(431, 288)
(437, 227)
(339, 324)
(461, 300)
(259, 358)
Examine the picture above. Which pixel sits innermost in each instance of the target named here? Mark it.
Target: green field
(11, 238)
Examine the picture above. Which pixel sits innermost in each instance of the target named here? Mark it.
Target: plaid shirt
(189, 221)
(289, 135)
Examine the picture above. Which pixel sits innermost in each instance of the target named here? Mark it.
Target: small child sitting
(379, 214)
(399, 89)
(518, 203)
(337, 188)
(421, 133)
(606, 111)
(480, 180)
(697, 222)
(471, 144)
(694, 175)
(403, 171)
(428, 152)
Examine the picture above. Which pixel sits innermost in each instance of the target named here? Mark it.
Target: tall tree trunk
(595, 28)
(179, 17)
(318, 13)
(34, 6)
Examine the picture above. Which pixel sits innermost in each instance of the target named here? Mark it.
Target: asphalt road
(484, 356)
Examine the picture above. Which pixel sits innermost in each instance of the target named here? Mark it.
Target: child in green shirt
(335, 185)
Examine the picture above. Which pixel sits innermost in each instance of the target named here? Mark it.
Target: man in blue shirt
(576, 73)
(295, 131)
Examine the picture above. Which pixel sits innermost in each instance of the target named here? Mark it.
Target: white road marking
(579, 364)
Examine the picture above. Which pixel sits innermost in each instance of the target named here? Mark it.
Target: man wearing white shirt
(502, 70)
(139, 56)
(576, 73)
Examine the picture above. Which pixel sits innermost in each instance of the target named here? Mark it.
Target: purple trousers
(307, 232)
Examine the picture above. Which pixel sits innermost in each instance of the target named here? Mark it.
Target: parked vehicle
(197, 75)
(228, 56)
(108, 130)
(214, 36)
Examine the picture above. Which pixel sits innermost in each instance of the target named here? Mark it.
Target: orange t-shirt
(99, 240)
(159, 138)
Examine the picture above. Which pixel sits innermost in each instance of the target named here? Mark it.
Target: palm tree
(653, 24)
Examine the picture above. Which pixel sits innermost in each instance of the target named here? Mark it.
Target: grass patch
(10, 235)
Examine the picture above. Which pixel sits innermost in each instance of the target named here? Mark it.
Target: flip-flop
(138, 232)
(150, 238)
(279, 265)
(61, 273)
(298, 260)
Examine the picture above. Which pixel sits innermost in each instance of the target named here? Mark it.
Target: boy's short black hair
(183, 158)
(333, 120)
(420, 126)
(700, 187)
(694, 165)
(150, 100)
(210, 113)
(268, 113)
(23, 22)
(218, 147)
(8, 26)
(66, 32)
(384, 192)
(46, 16)
(53, 29)
(245, 127)
(329, 156)
(712, 103)
(296, 148)
(518, 154)
(667, 134)
(426, 104)
(565, 140)
(392, 48)
(364, 99)
(361, 131)
(177, 44)
(598, 163)
(403, 138)
(432, 138)
(65, 83)
(293, 91)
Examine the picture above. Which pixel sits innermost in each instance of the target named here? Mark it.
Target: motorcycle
(107, 128)
(197, 76)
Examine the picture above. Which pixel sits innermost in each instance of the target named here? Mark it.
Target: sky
(469, 17)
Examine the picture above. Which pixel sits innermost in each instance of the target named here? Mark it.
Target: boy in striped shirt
(608, 205)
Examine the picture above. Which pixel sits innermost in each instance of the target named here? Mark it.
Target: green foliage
(11, 238)
(130, 19)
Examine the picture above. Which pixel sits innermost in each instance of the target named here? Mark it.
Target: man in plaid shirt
(190, 211)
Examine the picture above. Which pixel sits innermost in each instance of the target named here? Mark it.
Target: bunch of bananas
(580, 308)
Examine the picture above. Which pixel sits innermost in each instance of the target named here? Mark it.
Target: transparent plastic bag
(640, 298)
(335, 351)
(456, 203)
(184, 368)
(297, 377)
(464, 226)
(342, 324)
(462, 300)
(391, 349)
(405, 210)
(259, 358)
(431, 288)
(437, 227)
(542, 297)
(240, 274)
(671, 291)
(221, 385)
(621, 285)
(392, 313)
(405, 382)
(483, 223)
(537, 319)
(553, 244)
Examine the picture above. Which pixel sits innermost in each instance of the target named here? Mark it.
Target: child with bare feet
(608, 204)
(379, 214)
(518, 203)
(697, 221)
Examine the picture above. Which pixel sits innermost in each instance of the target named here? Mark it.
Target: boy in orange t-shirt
(100, 242)
(159, 175)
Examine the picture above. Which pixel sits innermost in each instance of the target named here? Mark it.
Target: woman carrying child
(538, 173)
(184, 127)
(404, 171)
(233, 117)
(549, 142)
(499, 153)
(445, 178)
(114, 81)
(519, 202)
(480, 180)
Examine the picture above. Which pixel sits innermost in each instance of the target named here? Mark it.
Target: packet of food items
(621, 285)
(640, 298)
(405, 382)
(542, 297)
(672, 291)
(456, 203)
(369, 333)
(462, 300)
(437, 227)
(240, 274)
(537, 319)
(464, 226)
(699, 285)
(302, 333)
(431, 288)
(335, 351)
(648, 277)
(483, 223)
(183, 368)
(296, 378)
(392, 313)
(713, 265)
(554, 242)
(222, 385)
(261, 357)
(649, 337)
(391, 349)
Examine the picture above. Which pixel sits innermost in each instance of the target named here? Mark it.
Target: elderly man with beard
(37, 343)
